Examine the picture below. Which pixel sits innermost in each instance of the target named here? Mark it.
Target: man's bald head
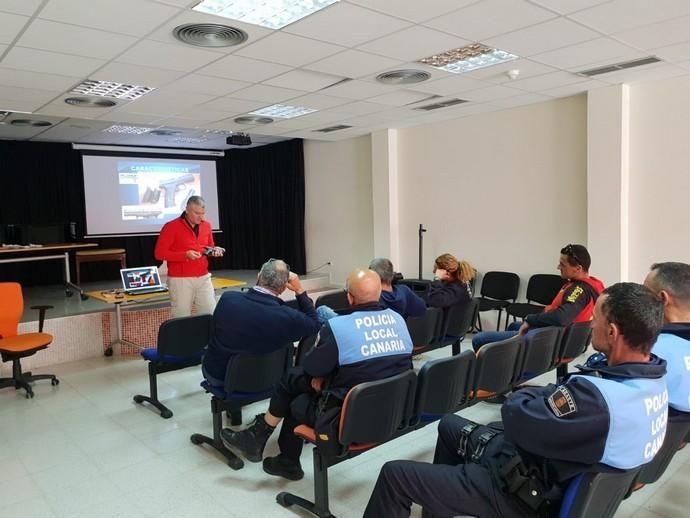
(363, 286)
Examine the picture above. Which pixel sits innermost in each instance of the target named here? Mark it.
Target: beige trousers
(188, 291)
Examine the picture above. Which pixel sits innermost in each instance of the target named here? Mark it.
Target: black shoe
(251, 441)
(282, 467)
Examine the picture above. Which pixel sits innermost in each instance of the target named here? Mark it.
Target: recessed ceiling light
(253, 119)
(127, 130)
(30, 122)
(468, 58)
(274, 14)
(85, 102)
(111, 89)
(282, 111)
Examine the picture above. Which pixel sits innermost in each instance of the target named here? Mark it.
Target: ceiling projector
(239, 139)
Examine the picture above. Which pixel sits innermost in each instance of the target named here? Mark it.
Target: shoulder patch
(575, 294)
(562, 403)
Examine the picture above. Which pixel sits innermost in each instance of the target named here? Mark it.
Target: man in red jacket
(185, 243)
(573, 303)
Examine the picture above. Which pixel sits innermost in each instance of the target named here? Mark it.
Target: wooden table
(32, 254)
(119, 299)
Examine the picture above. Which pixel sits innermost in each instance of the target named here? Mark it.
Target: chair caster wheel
(54, 382)
(281, 498)
(29, 395)
(195, 439)
(108, 352)
(236, 463)
(84, 296)
(68, 293)
(138, 399)
(166, 414)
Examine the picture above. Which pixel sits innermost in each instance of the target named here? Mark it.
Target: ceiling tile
(266, 93)
(413, 43)
(600, 50)
(542, 37)
(293, 50)
(354, 64)
(237, 67)
(658, 34)
(161, 100)
(18, 105)
(674, 53)
(110, 16)
(568, 6)
(70, 39)
(130, 118)
(135, 75)
(359, 89)
(231, 104)
(413, 11)
(202, 84)
(26, 7)
(361, 108)
(520, 100)
(59, 108)
(490, 18)
(318, 101)
(51, 62)
(164, 33)
(163, 55)
(74, 129)
(179, 3)
(10, 25)
(450, 85)
(621, 15)
(552, 80)
(346, 24)
(26, 79)
(400, 98)
(575, 88)
(304, 80)
(26, 94)
(645, 73)
(497, 73)
(490, 93)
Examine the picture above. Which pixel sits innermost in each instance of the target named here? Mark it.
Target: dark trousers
(296, 402)
(449, 487)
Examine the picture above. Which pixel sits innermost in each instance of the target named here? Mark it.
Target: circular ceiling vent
(164, 132)
(253, 119)
(403, 77)
(209, 34)
(86, 102)
(29, 122)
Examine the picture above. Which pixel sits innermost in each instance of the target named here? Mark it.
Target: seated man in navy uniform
(671, 282)
(610, 415)
(258, 321)
(368, 343)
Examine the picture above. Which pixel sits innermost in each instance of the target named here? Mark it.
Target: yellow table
(118, 298)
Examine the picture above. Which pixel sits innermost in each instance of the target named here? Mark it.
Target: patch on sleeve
(562, 402)
(575, 294)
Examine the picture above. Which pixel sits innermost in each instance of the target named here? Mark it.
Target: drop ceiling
(49, 46)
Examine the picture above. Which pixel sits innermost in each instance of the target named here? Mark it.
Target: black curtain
(260, 197)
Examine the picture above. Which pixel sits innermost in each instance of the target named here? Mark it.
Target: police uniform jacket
(673, 345)
(366, 342)
(601, 418)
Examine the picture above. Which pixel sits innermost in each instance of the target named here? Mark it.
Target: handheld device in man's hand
(210, 249)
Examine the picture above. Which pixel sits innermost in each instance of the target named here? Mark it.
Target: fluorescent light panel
(111, 89)
(274, 14)
(127, 130)
(468, 58)
(282, 111)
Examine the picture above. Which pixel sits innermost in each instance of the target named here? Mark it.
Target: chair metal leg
(498, 321)
(561, 372)
(319, 507)
(21, 380)
(165, 412)
(216, 442)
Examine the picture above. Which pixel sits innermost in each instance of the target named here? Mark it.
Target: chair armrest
(41, 315)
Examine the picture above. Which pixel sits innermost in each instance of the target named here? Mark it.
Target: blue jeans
(489, 337)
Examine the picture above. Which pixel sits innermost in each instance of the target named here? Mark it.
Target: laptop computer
(145, 279)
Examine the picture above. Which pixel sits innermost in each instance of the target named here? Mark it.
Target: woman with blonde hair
(452, 282)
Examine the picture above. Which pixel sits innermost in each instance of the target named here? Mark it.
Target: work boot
(283, 467)
(250, 441)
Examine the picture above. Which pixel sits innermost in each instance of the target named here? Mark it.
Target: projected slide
(152, 191)
(137, 195)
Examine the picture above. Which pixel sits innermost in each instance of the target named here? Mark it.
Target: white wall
(659, 174)
(504, 190)
(339, 216)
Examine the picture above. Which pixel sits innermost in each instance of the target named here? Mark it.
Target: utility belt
(513, 476)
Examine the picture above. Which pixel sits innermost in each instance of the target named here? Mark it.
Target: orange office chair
(13, 346)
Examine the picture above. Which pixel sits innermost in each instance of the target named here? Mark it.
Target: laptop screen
(144, 277)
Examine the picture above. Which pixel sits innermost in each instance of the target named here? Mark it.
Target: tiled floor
(84, 449)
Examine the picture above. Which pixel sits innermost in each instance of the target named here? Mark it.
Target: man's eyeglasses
(570, 252)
